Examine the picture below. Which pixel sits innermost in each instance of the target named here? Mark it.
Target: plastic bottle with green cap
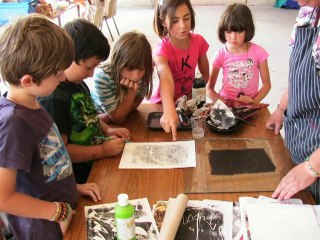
(124, 218)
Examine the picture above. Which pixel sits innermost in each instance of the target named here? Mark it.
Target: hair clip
(160, 2)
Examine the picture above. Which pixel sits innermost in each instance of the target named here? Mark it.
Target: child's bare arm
(104, 117)
(126, 105)
(211, 93)
(20, 204)
(119, 132)
(169, 120)
(23, 205)
(137, 101)
(203, 65)
(80, 153)
(266, 84)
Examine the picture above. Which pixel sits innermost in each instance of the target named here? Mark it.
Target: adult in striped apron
(302, 117)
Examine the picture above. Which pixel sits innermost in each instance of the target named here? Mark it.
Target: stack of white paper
(265, 219)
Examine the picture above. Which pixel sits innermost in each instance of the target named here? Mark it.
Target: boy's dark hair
(33, 45)
(168, 8)
(237, 18)
(89, 41)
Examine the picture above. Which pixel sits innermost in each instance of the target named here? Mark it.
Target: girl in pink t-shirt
(176, 57)
(241, 60)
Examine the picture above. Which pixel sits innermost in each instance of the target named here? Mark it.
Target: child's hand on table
(89, 189)
(245, 99)
(113, 147)
(119, 132)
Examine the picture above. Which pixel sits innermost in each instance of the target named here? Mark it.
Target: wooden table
(160, 184)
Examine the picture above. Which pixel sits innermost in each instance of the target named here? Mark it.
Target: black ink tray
(153, 121)
(241, 113)
(215, 129)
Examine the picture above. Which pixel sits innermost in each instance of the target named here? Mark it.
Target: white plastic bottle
(124, 218)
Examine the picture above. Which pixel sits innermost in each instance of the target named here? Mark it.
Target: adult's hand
(275, 121)
(296, 180)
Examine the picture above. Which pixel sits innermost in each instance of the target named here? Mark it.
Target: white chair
(94, 11)
(110, 12)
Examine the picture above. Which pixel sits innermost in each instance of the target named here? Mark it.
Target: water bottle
(199, 90)
(124, 218)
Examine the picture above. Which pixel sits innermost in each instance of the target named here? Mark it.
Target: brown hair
(133, 51)
(34, 45)
(168, 8)
(237, 18)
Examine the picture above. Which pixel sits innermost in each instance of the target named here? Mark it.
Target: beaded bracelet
(281, 109)
(57, 211)
(313, 171)
(63, 212)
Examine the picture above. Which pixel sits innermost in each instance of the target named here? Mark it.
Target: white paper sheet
(316, 209)
(279, 222)
(179, 154)
(224, 208)
(245, 201)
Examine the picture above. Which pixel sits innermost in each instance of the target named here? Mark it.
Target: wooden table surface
(161, 184)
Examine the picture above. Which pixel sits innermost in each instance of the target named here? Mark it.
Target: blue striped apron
(302, 121)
